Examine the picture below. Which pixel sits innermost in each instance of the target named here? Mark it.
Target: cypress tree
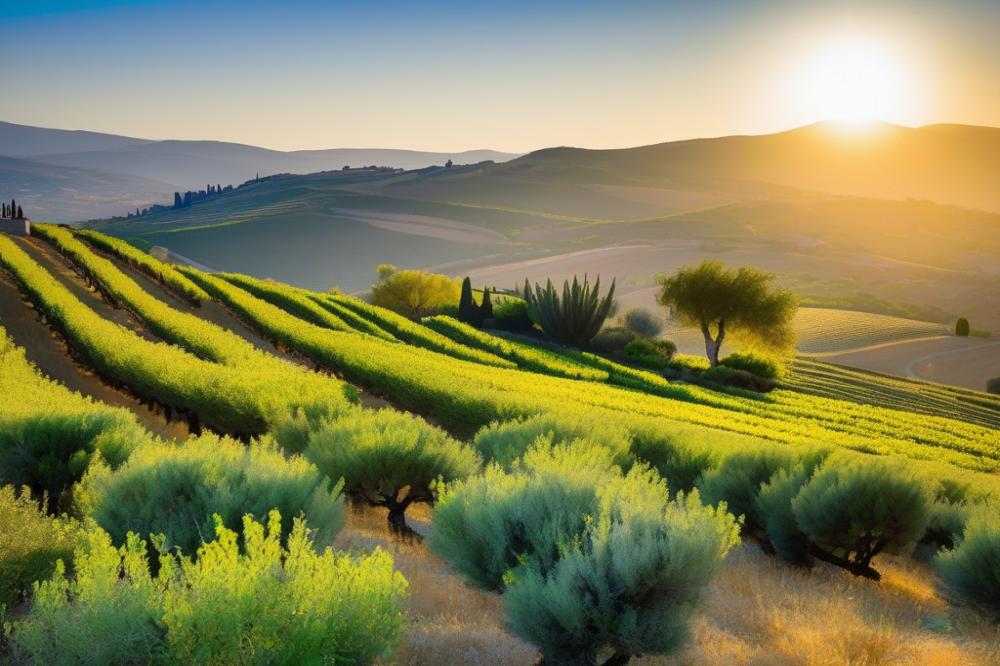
(468, 312)
(962, 327)
(486, 307)
(178, 203)
(20, 213)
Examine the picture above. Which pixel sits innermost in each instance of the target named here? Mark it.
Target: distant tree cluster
(11, 211)
(371, 167)
(189, 197)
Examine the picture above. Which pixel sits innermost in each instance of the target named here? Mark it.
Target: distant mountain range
(67, 175)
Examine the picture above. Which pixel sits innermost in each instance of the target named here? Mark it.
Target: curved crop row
(159, 271)
(525, 356)
(467, 395)
(236, 400)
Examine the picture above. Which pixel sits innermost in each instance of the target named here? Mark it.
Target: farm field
(280, 365)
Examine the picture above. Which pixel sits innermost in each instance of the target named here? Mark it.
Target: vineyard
(826, 331)
(498, 435)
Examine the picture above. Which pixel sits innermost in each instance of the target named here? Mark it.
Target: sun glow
(854, 79)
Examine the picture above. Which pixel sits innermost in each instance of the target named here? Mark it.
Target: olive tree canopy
(720, 301)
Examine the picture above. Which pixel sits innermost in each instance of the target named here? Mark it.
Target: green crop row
(525, 356)
(413, 333)
(239, 400)
(465, 395)
(159, 271)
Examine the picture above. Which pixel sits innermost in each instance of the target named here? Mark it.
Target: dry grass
(758, 611)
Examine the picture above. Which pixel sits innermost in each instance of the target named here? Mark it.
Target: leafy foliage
(711, 296)
(49, 435)
(381, 454)
(573, 318)
(854, 511)
(259, 604)
(962, 327)
(415, 293)
(768, 368)
(973, 567)
(30, 544)
(650, 353)
(175, 490)
(642, 322)
(507, 442)
(588, 559)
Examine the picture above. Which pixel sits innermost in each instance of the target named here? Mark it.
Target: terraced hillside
(276, 365)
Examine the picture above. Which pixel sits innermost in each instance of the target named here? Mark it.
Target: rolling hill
(144, 171)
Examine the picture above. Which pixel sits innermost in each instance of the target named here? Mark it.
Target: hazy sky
(507, 75)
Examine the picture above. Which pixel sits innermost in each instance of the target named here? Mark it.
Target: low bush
(415, 293)
(611, 340)
(761, 366)
(972, 568)
(773, 505)
(650, 353)
(589, 561)
(30, 544)
(854, 510)
(740, 379)
(511, 314)
(642, 322)
(266, 604)
(962, 327)
(993, 386)
(507, 441)
(174, 490)
(379, 454)
(737, 481)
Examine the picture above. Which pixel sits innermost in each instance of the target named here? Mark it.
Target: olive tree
(594, 566)
(388, 459)
(720, 302)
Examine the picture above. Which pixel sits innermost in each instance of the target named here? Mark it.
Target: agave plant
(576, 316)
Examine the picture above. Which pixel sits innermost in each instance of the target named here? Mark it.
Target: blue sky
(506, 75)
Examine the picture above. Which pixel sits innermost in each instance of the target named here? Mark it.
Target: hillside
(105, 161)
(187, 354)
(951, 164)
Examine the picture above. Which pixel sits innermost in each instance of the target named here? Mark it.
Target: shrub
(379, 454)
(852, 511)
(267, 604)
(946, 523)
(174, 490)
(50, 451)
(756, 365)
(30, 544)
(973, 567)
(574, 317)
(962, 327)
(511, 314)
(773, 506)
(588, 560)
(642, 323)
(740, 379)
(611, 340)
(651, 353)
(415, 293)
(737, 481)
(507, 441)
(675, 453)
(993, 385)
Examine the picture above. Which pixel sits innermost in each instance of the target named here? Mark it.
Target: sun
(852, 78)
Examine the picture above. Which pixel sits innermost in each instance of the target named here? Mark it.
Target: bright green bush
(415, 293)
(259, 604)
(49, 434)
(611, 340)
(30, 544)
(506, 441)
(852, 511)
(972, 568)
(650, 353)
(379, 454)
(761, 366)
(175, 490)
(511, 314)
(588, 560)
